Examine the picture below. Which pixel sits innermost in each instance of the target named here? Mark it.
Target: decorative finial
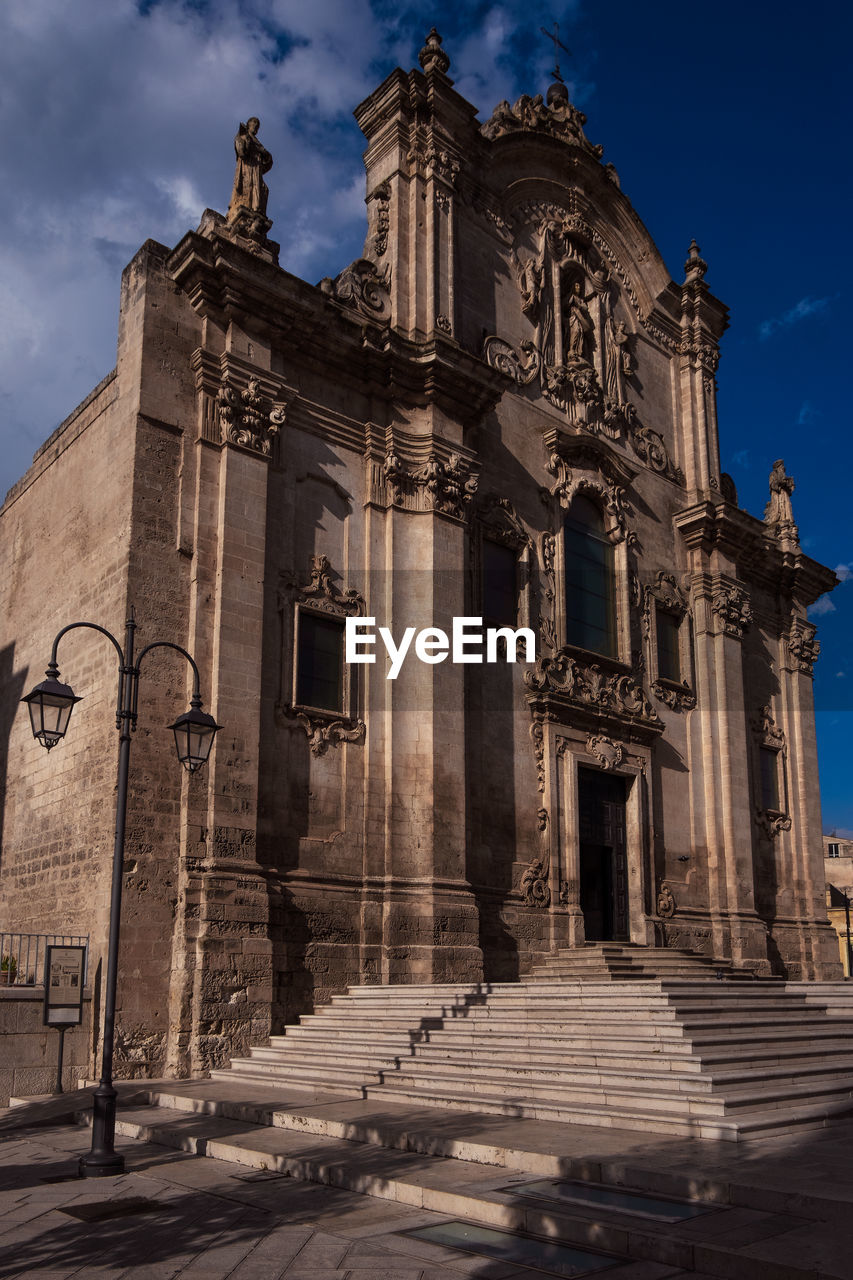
(694, 267)
(432, 57)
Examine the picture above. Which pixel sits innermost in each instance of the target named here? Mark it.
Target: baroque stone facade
(505, 409)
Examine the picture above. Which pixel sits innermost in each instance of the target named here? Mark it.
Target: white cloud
(800, 311)
(820, 607)
(844, 572)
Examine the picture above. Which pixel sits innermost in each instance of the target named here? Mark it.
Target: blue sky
(727, 122)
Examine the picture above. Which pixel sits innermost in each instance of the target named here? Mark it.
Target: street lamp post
(50, 705)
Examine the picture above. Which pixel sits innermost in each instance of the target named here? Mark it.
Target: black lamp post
(50, 705)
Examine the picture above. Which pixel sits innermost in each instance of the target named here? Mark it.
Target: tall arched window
(589, 580)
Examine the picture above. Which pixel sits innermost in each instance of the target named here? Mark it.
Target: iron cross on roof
(558, 44)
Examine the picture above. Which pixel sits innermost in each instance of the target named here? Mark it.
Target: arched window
(589, 580)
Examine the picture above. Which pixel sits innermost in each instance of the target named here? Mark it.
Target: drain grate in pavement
(100, 1210)
(593, 1196)
(529, 1251)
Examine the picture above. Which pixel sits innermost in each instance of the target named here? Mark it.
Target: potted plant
(8, 969)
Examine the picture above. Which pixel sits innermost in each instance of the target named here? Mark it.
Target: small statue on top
(253, 161)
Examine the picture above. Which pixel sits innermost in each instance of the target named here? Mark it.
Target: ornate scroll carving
(446, 487)
(247, 418)
(556, 116)
(502, 356)
(534, 880)
(772, 824)
(731, 605)
(608, 753)
(323, 593)
(586, 685)
(677, 699)
(324, 733)
(537, 735)
(803, 646)
(361, 287)
(610, 494)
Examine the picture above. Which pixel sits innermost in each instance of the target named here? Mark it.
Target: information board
(64, 971)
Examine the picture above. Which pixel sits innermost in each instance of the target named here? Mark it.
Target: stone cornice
(761, 560)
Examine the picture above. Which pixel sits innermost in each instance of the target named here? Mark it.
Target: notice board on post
(64, 971)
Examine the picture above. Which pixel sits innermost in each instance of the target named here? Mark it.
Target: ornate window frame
(321, 598)
(664, 595)
(768, 737)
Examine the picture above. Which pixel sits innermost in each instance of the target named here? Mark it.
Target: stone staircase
(605, 1035)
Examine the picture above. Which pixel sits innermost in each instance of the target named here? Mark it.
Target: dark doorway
(603, 860)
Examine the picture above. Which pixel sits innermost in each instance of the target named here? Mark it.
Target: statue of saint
(778, 509)
(578, 336)
(253, 161)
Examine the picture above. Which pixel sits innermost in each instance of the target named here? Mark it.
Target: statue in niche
(253, 161)
(530, 275)
(578, 335)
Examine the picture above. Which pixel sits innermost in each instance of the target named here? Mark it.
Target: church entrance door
(603, 860)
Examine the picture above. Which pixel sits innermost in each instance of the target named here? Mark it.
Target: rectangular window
(590, 603)
(833, 851)
(769, 779)
(319, 662)
(500, 584)
(669, 658)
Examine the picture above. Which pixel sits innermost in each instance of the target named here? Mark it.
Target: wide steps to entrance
(686, 1051)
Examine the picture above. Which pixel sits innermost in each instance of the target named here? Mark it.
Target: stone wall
(31, 1050)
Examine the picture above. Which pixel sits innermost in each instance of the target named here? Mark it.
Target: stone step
(460, 1188)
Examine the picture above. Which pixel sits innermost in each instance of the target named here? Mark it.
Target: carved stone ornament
(772, 824)
(803, 647)
(731, 605)
(500, 521)
(534, 880)
(446, 487)
(537, 735)
(500, 355)
(677, 698)
(247, 418)
(322, 593)
(555, 116)
(608, 493)
(381, 218)
(768, 732)
(361, 287)
(324, 733)
(586, 685)
(666, 905)
(608, 753)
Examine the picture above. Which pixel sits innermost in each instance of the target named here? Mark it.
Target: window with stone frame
(771, 794)
(668, 626)
(833, 850)
(589, 580)
(319, 681)
(499, 583)
(666, 622)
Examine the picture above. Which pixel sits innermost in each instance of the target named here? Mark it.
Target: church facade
(504, 411)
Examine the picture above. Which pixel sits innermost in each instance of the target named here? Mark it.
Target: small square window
(669, 656)
(769, 760)
(833, 851)
(319, 662)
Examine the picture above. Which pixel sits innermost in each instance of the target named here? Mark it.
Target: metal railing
(22, 956)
